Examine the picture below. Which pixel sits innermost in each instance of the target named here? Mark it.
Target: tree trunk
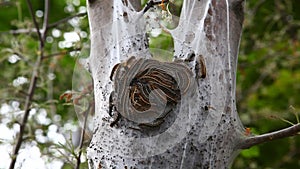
(208, 131)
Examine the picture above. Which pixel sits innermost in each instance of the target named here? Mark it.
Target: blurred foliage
(18, 52)
(268, 77)
(268, 80)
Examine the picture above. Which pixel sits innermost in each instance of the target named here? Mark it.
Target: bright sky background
(30, 156)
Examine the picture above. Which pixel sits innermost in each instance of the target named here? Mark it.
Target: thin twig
(45, 23)
(31, 89)
(6, 3)
(19, 31)
(151, 3)
(49, 26)
(35, 22)
(255, 140)
(82, 136)
(64, 52)
(66, 19)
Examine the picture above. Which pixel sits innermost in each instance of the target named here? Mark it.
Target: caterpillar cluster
(146, 82)
(144, 89)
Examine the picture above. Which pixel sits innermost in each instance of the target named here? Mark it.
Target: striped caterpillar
(143, 88)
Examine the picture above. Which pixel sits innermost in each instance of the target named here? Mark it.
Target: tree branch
(31, 88)
(35, 22)
(151, 3)
(49, 26)
(64, 52)
(6, 3)
(287, 132)
(82, 136)
(46, 17)
(19, 31)
(66, 19)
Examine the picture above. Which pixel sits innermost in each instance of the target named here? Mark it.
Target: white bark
(209, 129)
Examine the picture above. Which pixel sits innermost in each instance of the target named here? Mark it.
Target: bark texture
(209, 129)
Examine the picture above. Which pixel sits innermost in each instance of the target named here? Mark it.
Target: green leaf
(251, 152)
